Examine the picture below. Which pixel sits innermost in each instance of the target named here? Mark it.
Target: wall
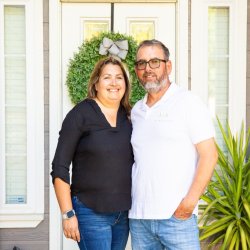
(248, 67)
(36, 238)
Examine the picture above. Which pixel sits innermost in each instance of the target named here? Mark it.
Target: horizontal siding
(33, 245)
(26, 239)
(40, 233)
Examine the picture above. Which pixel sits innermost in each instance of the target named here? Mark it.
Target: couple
(171, 159)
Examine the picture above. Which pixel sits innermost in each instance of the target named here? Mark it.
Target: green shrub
(226, 214)
(83, 62)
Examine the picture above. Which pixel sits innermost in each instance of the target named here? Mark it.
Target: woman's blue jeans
(101, 231)
(170, 234)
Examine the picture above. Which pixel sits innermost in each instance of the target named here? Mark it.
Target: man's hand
(70, 229)
(184, 210)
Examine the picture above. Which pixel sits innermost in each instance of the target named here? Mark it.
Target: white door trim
(182, 65)
(55, 92)
(55, 115)
(237, 64)
(118, 1)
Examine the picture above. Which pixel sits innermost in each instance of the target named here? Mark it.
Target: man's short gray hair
(154, 42)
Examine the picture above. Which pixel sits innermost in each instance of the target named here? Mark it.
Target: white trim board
(55, 115)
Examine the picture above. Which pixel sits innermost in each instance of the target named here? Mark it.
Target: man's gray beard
(154, 87)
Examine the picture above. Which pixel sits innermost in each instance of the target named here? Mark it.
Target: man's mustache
(148, 74)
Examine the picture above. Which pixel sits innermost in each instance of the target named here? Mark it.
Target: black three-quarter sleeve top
(101, 157)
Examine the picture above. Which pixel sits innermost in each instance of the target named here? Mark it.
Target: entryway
(81, 21)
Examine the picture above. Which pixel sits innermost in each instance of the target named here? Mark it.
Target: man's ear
(169, 67)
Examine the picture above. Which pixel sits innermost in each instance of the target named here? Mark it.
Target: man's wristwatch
(69, 214)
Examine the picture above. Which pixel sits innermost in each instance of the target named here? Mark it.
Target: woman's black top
(101, 157)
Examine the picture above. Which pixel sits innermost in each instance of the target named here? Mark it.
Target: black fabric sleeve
(69, 135)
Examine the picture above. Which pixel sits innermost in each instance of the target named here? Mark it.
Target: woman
(95, 138)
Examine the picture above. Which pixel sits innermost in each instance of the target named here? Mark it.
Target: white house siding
(36, 238)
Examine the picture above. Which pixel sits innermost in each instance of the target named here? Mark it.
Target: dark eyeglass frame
(149, 63)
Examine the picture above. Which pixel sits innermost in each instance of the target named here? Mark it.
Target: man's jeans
(101, 231)
(170, 234)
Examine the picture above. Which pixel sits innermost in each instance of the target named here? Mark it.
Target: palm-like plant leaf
(229, 235)
(226, 212)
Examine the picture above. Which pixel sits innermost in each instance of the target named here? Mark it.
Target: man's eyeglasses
(153, 63)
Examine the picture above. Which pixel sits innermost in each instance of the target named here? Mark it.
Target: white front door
(141, 20)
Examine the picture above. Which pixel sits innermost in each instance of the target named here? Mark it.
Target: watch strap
(68, 214)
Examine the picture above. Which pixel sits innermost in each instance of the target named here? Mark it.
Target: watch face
(70, 213)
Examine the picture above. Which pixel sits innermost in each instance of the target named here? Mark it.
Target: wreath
(83, 62)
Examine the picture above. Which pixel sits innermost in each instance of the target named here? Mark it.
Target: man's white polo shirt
(163, 139)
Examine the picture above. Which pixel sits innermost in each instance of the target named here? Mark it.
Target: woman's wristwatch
(69, 214)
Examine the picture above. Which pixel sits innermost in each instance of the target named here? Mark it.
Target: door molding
(55, 88)
(118, 1)
(55, 116)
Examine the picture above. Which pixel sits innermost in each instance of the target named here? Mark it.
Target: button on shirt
(163, 140)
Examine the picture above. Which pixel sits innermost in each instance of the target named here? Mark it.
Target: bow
(118, 48)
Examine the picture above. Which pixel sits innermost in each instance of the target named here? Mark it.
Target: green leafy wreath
(83, 62)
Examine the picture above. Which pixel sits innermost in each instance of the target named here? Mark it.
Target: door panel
(148, 21)
(141, 20)
(81, 21)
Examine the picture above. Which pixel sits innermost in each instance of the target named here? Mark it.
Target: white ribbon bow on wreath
(118, 48)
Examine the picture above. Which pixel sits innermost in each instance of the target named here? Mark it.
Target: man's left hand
(184, 210)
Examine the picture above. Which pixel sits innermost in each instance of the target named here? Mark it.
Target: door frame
(55, 89)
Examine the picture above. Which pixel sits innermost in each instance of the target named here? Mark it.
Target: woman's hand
(70, 228)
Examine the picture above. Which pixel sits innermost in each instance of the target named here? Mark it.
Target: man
(175, 154)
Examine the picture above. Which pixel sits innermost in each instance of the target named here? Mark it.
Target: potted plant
(226, 213)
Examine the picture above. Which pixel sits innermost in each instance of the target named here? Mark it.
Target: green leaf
(233, 241)
(216, 240)
(243, 239)
(237, 243)
(212, 203)
(248, 239)
(218, 223)
(226, 214)
(227, 188)
(246, 206)
(212, 232)
(227, 137)
(239, 184)
(228, 236)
